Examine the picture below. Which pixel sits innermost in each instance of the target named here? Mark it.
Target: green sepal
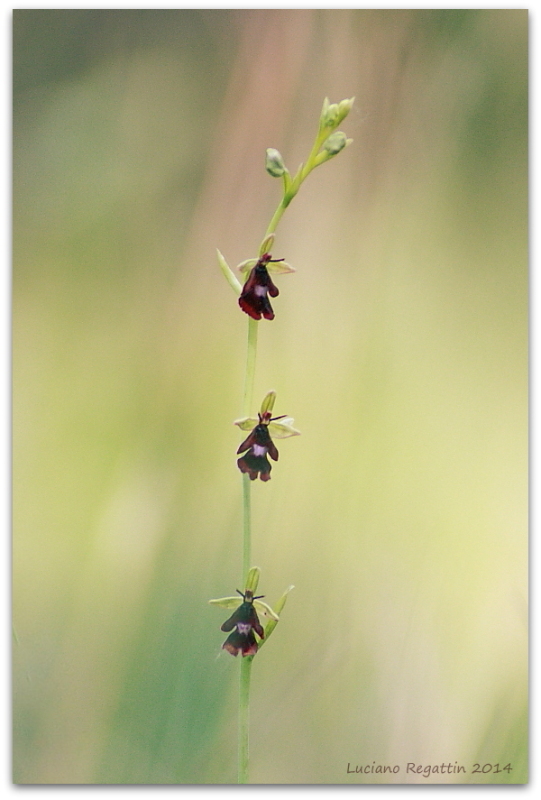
(227, 602)
(246, 423)
(279, 267)
(228, 273)
(246, 266)
(283, 428)
(266, 244)
(252, 580)
(268, 402)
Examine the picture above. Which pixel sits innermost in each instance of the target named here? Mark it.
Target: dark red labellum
(254, 299)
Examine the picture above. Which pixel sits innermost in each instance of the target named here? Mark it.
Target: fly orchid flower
(259, 443)
(244, 622)
(258, 285)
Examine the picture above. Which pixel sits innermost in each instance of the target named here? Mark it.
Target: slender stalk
(247, 526)
(246, 662)
(278, 214)
(246, 483)
(244, 718)
(250, 367)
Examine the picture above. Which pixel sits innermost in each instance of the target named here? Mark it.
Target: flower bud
(344, 107)
(274, 163)
(336, 142)
(329, 118)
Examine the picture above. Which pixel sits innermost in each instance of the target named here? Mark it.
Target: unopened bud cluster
(332, 114)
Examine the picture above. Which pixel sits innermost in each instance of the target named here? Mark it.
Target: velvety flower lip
(254, 297)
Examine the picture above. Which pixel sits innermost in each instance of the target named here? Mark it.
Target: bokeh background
(399, 346)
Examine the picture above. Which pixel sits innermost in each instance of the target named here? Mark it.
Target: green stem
(250, 367)
(244, 718)
(273, 224)
(246, 662)
(247, 526)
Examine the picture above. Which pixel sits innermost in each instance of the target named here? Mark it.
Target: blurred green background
(399, 346)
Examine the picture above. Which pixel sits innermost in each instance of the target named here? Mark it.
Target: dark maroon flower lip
(242, 624)
(245, 644)
(254, 298)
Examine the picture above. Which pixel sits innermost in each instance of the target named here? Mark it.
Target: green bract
(229, 275)
(271, 625)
